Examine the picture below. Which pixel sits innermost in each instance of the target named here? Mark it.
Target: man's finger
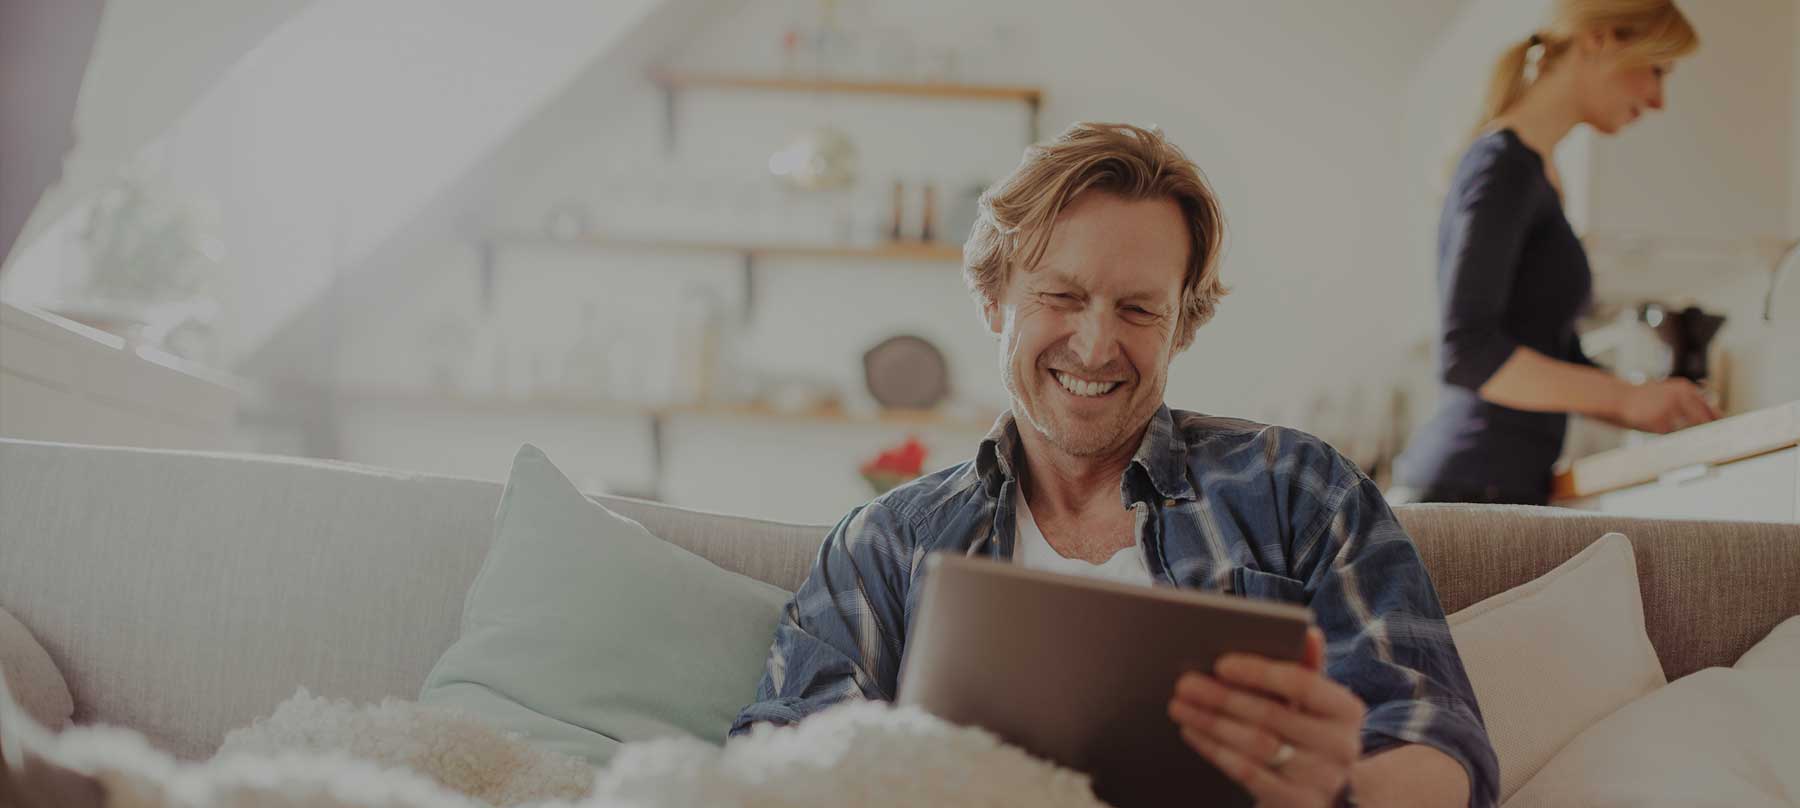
(1268, 789)
(1305, 767)
(1309, 690)
(1251, 739)
(1314, 657)
(1204, 695)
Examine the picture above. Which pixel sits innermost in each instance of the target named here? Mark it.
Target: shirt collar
(1161, 457)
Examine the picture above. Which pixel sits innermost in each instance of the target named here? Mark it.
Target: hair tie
(1534, 57)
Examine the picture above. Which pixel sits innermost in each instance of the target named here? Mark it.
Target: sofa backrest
(184, 594)
(1710, 589)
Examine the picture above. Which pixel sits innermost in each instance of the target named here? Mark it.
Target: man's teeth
(1084, 388)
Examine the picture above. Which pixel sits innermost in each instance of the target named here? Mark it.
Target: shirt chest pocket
(1267, 586)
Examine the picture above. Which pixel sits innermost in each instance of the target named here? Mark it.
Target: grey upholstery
(184, 594)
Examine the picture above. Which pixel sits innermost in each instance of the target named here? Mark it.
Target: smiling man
(1094, 264)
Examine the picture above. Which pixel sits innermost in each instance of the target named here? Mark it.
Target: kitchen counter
(1690, 451)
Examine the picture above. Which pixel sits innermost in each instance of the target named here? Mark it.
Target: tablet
(1080, 671)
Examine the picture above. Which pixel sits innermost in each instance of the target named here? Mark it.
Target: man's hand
(1285, 732)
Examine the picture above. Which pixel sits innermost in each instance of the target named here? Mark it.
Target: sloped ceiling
(340, 126)
(302, 348)
(151, 63)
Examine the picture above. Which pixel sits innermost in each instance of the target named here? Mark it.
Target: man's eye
(1139, 314)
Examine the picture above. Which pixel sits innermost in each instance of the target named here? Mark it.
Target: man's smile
(1083, 387)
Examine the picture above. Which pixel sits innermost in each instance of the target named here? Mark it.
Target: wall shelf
(658, 416)
(748, 254)
(672, 82)
(981, 92)
(537, 404)
(891, 251)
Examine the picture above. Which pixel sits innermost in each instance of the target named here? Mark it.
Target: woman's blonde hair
(1652, 31)
(1018, 213)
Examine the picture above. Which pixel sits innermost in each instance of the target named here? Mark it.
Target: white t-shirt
(1033, 551)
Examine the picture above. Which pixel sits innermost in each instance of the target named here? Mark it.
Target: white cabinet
(1745, 467)
(62, 381)
(1765, 488)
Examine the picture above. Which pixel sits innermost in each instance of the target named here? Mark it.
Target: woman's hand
(1665, 406)
(1285, 732)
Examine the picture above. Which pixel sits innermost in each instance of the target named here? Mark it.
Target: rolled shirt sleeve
(840, 636)
(1481, 240)
(1386, 637)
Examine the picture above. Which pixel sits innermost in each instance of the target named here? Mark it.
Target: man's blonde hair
(1018, 212)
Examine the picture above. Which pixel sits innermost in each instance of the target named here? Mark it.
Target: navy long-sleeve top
(1511, 273)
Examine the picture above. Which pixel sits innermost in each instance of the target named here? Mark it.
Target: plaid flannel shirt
(1221, 504)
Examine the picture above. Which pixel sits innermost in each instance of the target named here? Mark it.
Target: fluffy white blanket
(319, 753)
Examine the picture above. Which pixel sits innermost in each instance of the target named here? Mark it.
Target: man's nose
(1095, 341)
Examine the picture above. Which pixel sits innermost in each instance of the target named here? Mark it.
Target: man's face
(1086, 335)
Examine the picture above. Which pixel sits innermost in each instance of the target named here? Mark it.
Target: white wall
(1292, 109)
(1743, 40)
(1702, 167)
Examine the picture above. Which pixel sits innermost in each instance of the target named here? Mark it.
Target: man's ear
(991, 314)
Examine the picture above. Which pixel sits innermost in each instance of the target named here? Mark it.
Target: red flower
(895, 466)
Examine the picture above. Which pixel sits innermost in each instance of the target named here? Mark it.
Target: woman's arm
(1484, 233)
(1529, 380)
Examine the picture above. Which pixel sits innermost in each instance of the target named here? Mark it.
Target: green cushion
(583, 631)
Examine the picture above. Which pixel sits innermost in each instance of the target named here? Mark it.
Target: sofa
(184, 594)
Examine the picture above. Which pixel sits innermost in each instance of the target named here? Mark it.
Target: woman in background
(1513, 275)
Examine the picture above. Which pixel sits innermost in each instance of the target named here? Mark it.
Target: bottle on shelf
(699, 324)
(586, 367)
(927, 212)
(897, 214)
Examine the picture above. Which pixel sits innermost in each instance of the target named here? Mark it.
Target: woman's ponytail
(1507, 84)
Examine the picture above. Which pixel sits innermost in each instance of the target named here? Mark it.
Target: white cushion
(1778, 651)
(1553, 656)
(1721, 737)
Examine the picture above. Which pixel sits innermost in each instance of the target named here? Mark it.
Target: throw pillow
(1723, 736)
(582, 630)
(1778, 651)
(36, 686)
(1552, 656)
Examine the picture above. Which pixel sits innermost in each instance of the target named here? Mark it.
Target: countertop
(1731, 438)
